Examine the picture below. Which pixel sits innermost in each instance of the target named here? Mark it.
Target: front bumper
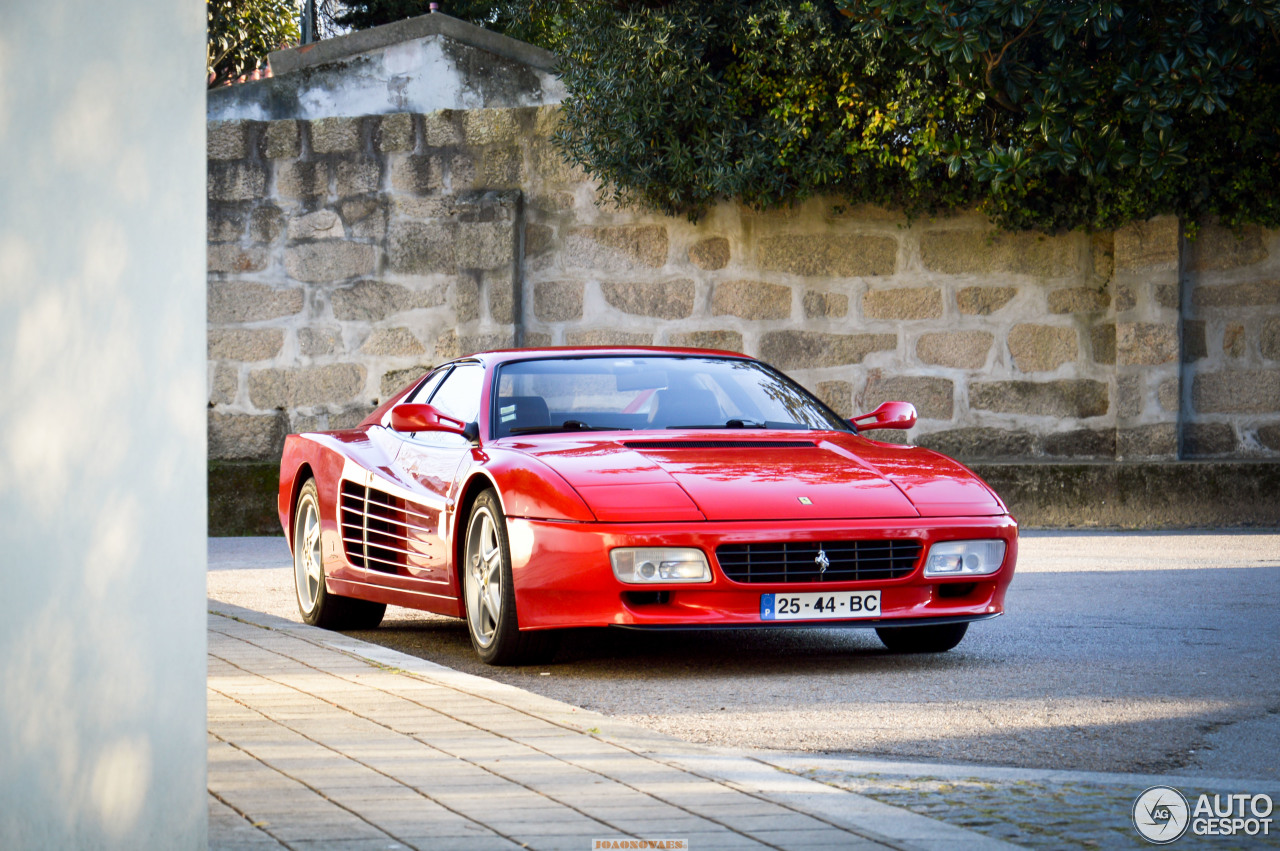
(563, 578)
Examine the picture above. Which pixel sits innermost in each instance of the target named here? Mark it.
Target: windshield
(651, 392)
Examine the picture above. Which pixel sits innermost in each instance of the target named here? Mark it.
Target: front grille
(384, 532)
(718, 444)
(797, 561)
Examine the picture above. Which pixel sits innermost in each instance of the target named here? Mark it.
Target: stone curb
(956, 771)
(745, 772)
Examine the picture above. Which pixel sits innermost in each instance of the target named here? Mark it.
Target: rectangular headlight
(643, 565)
(964, 558)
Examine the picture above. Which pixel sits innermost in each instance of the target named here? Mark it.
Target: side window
(459, 395)
(423, 393)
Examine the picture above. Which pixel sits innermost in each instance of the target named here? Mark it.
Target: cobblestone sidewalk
(1041, 810)
(319, 742)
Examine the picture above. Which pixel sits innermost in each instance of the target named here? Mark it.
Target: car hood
(760, 476)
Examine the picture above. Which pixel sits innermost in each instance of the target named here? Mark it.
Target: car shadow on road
(616, 653)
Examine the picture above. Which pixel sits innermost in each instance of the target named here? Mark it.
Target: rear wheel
(316, 605)
(937, 638)
(489, 592)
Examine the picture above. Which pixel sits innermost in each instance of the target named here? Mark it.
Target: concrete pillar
(1146, 292)
(102, 446)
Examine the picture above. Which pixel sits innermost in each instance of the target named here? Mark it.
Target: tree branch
(994, 62)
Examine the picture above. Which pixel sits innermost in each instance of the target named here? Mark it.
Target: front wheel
(489, 592)
(316, 605)
(937, 638)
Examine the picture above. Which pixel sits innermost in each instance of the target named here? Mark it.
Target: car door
(432, 461)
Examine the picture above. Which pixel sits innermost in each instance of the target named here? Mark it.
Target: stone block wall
(348, 254)
(1231, 345)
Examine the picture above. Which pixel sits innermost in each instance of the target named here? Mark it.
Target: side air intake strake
(384, 532)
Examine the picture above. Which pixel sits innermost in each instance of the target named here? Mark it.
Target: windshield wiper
(738, 422)
(567, 425)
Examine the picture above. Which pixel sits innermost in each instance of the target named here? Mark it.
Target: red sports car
(530, 491)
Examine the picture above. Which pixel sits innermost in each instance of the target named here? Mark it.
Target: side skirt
(439, 604)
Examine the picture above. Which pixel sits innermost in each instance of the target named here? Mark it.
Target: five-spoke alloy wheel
(488, 592)
(316, 605)
(484, 566)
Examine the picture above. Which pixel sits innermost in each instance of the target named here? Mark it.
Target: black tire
(316, 605)
(488, 592)
(938, 638)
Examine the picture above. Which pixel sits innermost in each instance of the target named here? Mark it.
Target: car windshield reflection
(636, 393)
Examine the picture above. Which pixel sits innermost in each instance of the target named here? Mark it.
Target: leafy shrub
(242, 32)
(1075, 113)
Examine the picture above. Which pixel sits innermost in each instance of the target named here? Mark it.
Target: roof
(423, 26)
(497, 356)
(419, 65)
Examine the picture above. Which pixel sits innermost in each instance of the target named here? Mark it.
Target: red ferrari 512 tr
(530, 491)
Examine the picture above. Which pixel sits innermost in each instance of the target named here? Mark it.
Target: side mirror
(889, 415)
(420, 417)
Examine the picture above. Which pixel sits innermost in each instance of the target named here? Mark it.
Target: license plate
(819, 605)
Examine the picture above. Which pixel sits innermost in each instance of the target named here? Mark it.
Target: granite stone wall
(346, 255)
(1231, 345)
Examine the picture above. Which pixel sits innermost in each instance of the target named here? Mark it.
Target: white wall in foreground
(102, 446)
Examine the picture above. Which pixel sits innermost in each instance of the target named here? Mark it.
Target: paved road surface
(1145, 652)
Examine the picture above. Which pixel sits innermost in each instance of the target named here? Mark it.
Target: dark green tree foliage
(375, 13)
(242, 32)
(1097, 112)
(536, 22)
(1042, 114)
(679, 106)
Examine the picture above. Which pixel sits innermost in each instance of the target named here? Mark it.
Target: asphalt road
(1148, 652)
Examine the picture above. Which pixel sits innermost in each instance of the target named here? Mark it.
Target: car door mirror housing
(889, 415)
(416, 416)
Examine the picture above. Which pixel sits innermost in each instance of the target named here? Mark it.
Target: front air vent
(719, 444)
(818, 561)
(384, 532)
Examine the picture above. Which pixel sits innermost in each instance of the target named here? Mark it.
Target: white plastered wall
(102, 444)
